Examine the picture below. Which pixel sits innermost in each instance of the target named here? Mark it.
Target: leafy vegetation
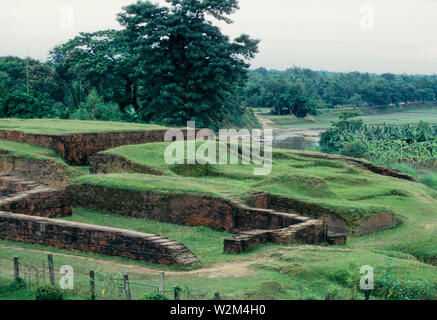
(415, 145)
(391, 287)
(166, 64)
(48, 292)
(306, 89)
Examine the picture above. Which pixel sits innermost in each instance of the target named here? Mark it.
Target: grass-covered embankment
(57, 126)
(21, 150)
(344, 188)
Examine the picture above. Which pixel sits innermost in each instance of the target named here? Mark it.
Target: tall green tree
(170, 63)
(188, 69)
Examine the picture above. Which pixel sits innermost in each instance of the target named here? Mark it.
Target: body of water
(297, 139)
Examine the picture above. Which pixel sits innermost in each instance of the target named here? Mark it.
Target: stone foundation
(182, 209)
(309, 232)
(96, 239)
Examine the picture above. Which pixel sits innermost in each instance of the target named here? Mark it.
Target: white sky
(318, 34)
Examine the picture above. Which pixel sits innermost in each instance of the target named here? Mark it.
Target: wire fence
(104, 285)
(34, 275)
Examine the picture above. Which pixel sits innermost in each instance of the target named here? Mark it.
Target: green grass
(56, 126)
(9, 290)
(270, 272)
(345, 188)
(29, 151)
(205, 242)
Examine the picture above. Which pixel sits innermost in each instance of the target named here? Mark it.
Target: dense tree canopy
(327, 89)
(170, 64)
(28, 88)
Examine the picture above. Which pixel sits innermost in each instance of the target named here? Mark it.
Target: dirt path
(237, 269)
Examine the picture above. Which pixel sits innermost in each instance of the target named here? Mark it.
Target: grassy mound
(29, 151)
(56, 126)
(33, 152)
(337, 186)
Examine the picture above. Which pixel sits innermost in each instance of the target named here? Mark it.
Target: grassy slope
(56, 126)
(30, 151)
(348, 189)
(330, 182)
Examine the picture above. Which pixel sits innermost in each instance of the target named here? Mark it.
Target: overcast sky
(398, 36)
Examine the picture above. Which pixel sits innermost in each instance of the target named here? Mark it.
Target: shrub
(390, 287)
(48, 292)
(20, 283)
(155, 296)
(333, 293)
(355, 149)
(94, 108)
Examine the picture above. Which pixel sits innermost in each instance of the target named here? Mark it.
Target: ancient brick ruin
(77, 148)
(23, 204)
(96, 239)
(252, 226)
(34, 199)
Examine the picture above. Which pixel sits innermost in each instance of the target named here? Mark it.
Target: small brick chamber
(26, 209)
(251, 225)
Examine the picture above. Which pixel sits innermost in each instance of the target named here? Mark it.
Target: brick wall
(77, 148)
(96, 239)
(31, 198)
(183, 209)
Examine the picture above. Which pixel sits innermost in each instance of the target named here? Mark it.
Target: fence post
(177, 291)
(92, 285)
(162, 282)
(51, 270)
(16, 268)
(127, 287)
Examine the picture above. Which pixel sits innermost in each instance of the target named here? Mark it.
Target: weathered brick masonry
(30, 198)
(96, 239)
(336, 223)
(202, 210)
(77, 148)
(41, 170)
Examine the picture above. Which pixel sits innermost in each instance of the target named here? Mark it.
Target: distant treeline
(300, 91)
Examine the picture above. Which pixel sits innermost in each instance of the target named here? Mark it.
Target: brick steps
(28, 197)
(301, 229)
